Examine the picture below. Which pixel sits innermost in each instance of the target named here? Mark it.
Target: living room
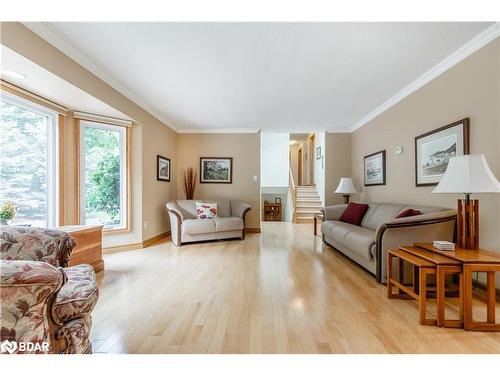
(245, 188)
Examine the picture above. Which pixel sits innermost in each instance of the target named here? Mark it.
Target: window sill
(111, 231)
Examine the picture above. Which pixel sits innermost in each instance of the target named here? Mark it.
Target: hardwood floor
(281, 291)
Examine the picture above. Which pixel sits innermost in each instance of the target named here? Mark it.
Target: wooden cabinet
(89, 245)
(272, 212)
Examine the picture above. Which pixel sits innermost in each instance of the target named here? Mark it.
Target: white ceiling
(292, 77)
(44, 83)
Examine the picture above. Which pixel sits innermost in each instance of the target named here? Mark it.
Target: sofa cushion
(206, 210)
(358, 239)
(327, 226)
(188, 208)
(198, 226)
(78, 295)
(380, 213)
(223, 224)
(223, 207)
(354, 213)
(408, 213)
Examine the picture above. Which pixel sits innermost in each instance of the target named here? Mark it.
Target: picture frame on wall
(216, 170)
(318, 152)
(374, 169)
(162, 168)
(277, 200)
(434, 149)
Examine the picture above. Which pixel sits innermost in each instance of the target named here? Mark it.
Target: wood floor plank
(280, 291)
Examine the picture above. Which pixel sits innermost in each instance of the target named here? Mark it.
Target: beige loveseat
(186, 227)
(367, 244)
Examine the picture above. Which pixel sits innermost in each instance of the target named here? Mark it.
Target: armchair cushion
(198, 226)
(29, 243)
(223, 224)
(79, 295)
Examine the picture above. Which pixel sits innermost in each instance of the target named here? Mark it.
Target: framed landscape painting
(374, 165)
(162, 168)
(434, 149)
(216, 170)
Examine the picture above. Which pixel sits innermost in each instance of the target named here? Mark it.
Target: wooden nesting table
(425, 263)
(475, 261)
(462, 262)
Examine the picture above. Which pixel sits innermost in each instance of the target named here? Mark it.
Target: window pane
(24, 163)
(103, 175)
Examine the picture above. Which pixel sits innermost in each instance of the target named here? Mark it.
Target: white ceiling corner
(43, 30)
(465, 51)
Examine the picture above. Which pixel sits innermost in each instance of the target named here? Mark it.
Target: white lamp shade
(346, 186)
(468, 174)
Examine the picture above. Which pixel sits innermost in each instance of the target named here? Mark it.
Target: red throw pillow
(409, 212)
(354, 213)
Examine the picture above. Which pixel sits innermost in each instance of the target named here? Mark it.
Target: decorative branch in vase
(190, 176)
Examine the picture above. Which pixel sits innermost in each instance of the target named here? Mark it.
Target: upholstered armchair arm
(173, 208)
(28, 290)
(239, 209)
(176, 218)
(333, 212)
(406, 231)
(30, 243)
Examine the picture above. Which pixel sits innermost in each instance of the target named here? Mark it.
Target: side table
(317, 217)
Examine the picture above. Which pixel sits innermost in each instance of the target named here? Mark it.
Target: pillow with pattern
(206, 210)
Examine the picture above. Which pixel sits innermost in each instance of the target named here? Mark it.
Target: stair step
(304, 220)
(309, 204)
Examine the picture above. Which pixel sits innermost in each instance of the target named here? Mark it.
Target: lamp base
(346, 198)
(468, 224)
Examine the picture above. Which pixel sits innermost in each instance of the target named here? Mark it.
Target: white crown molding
(65, 47)
(218, 131)
(463, 52)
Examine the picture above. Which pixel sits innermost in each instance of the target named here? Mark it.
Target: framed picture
(277, 200)
(216, 170)
(375, 169)
(318, 153)
(434, 149)
(162, 168)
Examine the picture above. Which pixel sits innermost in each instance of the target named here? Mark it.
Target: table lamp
(466, 175)
(346, 188)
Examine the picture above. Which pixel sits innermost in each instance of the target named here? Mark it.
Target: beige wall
(245, 151)
(157, 140)
(469, 89)
(337, 164)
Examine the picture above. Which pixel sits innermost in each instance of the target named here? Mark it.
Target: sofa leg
(243, 234)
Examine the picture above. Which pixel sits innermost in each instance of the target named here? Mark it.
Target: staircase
(307, 203)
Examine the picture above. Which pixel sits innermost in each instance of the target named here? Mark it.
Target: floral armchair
(42, 299)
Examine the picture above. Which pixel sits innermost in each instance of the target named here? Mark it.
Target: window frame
(124, 172)
(53, 178)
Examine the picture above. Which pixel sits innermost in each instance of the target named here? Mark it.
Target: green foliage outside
(102, 189)
(23, 163)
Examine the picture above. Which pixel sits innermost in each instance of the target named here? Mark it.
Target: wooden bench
(419, 292)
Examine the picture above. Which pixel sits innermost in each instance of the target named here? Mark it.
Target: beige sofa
(367, 244)
(186, 227)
